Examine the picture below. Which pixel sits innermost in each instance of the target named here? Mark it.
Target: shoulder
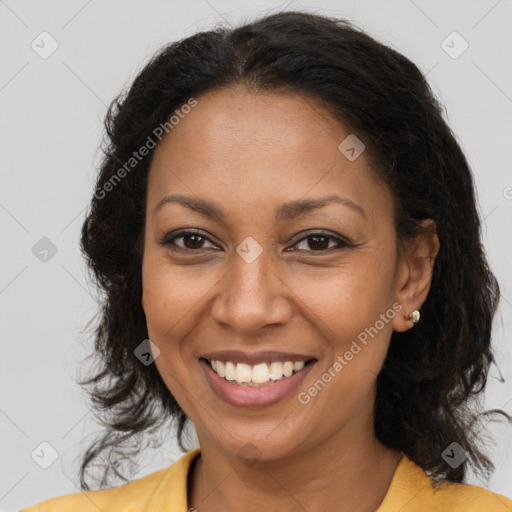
(469, 498)
(411, 490)
(166, 485)
(135, 493)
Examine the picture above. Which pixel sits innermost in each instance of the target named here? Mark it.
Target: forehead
(260, 148)
(238, 120)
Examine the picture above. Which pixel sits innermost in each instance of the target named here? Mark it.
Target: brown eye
(194, 241)
(319, 241)
(191, 240)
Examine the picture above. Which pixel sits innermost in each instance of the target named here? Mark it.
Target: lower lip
(253, 396)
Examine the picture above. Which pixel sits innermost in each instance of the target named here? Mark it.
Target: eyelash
(166, 241)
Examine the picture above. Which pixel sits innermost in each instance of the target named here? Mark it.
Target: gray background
(51, 124)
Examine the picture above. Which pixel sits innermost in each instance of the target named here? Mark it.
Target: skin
(250, 152)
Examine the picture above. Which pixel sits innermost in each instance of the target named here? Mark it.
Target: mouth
(265, 382)
(262, 374)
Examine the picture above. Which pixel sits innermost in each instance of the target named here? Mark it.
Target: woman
(284, 213)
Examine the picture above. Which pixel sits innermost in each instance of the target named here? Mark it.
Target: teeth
(230, 371)
(221, 368)
(287, 368)
(243, 372)
(276, 371)
(258, 374)
(297, 366)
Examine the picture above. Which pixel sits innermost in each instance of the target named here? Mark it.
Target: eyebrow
(286, 211)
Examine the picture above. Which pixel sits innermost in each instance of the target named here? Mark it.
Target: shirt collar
(171, 493)
(408, 482)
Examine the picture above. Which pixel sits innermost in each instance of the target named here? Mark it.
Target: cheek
(169, 301)
(346, 300)
(352, 311)
(356, 338)
(171, 296)
(167, 306)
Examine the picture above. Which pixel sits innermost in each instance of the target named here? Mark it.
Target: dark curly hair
(433, 373)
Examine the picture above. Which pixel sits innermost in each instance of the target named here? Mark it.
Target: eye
(318, 241)
(192, 240)
(315, 241)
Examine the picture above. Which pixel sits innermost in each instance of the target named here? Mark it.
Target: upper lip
(253, 358)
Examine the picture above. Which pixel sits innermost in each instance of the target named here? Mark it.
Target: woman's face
(250, 281)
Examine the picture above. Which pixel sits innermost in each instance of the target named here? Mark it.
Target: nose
(252, 296)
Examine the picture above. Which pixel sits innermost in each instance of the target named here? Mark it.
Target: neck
(346, 473)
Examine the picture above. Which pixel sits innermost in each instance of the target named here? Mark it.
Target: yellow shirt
(166, 491)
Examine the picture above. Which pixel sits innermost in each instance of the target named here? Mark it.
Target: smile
(260, 384)
(256, 375)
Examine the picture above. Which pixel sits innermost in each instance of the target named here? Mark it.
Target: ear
(415, 273)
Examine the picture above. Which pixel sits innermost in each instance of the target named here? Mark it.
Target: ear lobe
(417, 268)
